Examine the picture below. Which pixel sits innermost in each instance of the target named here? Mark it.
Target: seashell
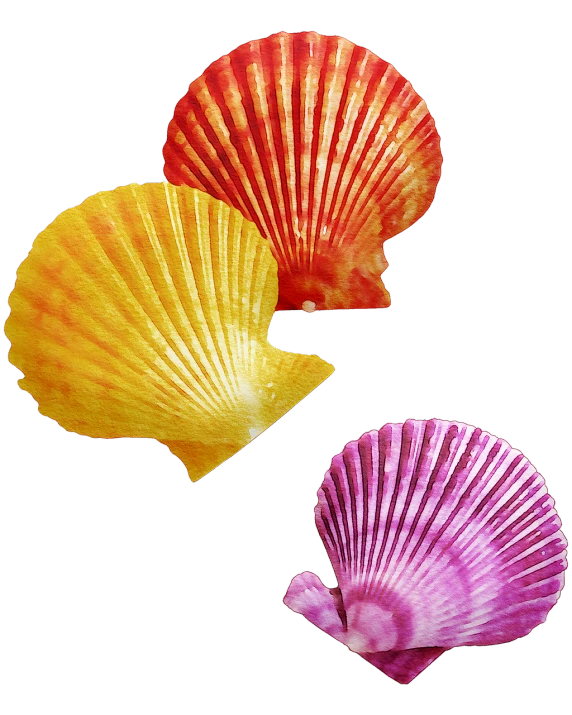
(143, 312)
(321, 143)
(440, 535)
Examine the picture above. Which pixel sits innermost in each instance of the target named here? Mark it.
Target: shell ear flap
(308, 596)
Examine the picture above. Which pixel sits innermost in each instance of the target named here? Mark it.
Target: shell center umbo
(371, 629)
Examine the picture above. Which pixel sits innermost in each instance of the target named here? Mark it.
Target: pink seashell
(326, 147)
(440, 535)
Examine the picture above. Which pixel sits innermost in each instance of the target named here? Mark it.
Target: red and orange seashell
(324, 146)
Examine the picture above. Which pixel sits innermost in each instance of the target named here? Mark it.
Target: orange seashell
(324, 146)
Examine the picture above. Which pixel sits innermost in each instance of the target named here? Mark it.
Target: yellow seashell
(144, 312)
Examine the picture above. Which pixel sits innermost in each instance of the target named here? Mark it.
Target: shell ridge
(110, 270)
(256, 205)
(112, 376)
(494, 595)
(518, 563)
(537, 567)
(477, 540)
(420, 472)
(196, 162)
(366, 467)
(243, 285)
(378, 130)
(337, 482)
(178, 326)
(84, 331)
(178, 347)
(521, 516)
(256, 265)
(428, 475)
(309, 94)
(231, 163)
(220, 164)
(204, 362)
(388, 183)
(228, 359)
(394, 156)
(313, 171)
(389, 536)
(261, 269)
(418, 467)
(180, 239)
(340, 557)
(471, 500)
(486, 500)
(459, 477)
(361, 511)
(119, 279)
(280, 129)
(234, 259)
(350, 470)
(444, 456)
(392, 452)
(254, 274)
(378, 186)
(95, 236)
(330, 542)
(339, 107)
(300, 239)
(380, 483)
(331, 106)
(221, 221)
(212, 293)
(265, 152)
(392, 565)
(169, 375)
(208, 296)
(425, 123)
(365, 131)
(347, 132)
(529, 543)
(176, 152)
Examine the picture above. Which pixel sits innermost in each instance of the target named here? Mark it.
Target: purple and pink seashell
(440, 535)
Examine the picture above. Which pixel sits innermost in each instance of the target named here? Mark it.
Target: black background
(98, 107)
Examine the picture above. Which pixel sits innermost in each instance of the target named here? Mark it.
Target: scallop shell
(321, 143)
(440, 535)
(143, 312)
